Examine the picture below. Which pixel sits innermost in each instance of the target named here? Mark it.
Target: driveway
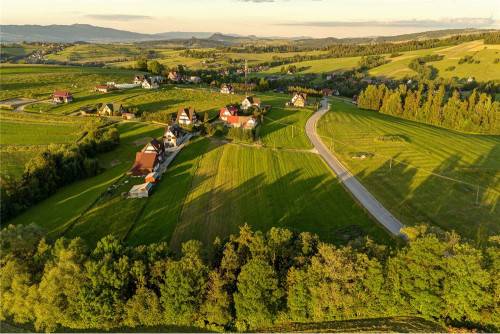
(361, 193)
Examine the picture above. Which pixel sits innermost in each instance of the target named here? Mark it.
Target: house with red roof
(144, 164)
(174, 76)
(62, 96)
(102, 88)
(228, 111)
(247, 122)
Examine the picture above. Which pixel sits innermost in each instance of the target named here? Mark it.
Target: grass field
(58, 212)
(413, 194)
(284, 128)
(37, 134)
(41, 81)
(232, 185)
(318, 66)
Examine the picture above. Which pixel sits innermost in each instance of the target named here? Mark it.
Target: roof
(111, 106)
(145, 160)
(142, 186)
(101, 86)
(158, 145)
(140, 76)
(240, 119)
(62, 93)
(150, 81)
(252, 100)
(189, 112)
(232, 110)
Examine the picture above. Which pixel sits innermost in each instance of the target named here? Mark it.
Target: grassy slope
(318, 66)
(234, 185)
(36, 134)
(57, 212)
(415, 195)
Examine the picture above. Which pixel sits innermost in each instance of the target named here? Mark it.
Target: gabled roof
(62, 93)
(140, 76)
(157, 145)
(150, 81)
(143, 186)
(101, 86)
(232, 110)
(111, 106)
(303, 96)
(252, 100)
(145, 161)
(153, 175)
(189, 112)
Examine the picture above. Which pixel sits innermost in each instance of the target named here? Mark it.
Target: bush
(241, 134)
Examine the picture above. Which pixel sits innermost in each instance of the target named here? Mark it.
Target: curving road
(361, 193)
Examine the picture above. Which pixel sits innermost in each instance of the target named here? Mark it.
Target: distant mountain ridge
(94, 34)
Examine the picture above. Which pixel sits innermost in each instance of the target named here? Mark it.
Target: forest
(254, 280)
(479, 113)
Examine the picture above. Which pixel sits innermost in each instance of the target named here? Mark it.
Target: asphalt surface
(361, 193)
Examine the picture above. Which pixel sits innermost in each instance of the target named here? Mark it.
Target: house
(174, 76)
(155, 146)
(327, 92)
(228, 111)
(158, 78)
(172, 135)
(152, 177)
(150, 83)
(299, 100)
(61, 96)
(139, 78)
(227, 89)
(194, 79)
(128, 115)
(144, 164)
(110, 109)
(141, 190)
(250, 101)
(102, 88)
(247, 122)
(187, 116)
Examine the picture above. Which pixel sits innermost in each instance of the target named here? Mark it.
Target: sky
(286, 18)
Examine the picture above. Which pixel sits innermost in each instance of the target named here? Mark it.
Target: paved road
(360, 192)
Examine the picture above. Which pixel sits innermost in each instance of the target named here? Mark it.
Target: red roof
(61, 93)
(101, 87)
(232, 110)
(145, 161)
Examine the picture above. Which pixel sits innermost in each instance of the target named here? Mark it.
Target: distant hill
(93, 34)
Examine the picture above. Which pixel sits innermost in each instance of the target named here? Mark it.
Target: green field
(58, 212)
(284, 128)
(413, 194)
(231, 185)
(318, 66)
(40, 81)
(38, 134)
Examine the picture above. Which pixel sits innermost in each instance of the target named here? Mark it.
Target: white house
(228, 112)
(187, 116)
(172, 135)
(141, 190)
(227, 89)
(150, 83)
(250, 101)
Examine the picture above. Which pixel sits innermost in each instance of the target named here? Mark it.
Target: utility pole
(246, 71)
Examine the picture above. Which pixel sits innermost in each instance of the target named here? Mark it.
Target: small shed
(152, 177)
(141, 190)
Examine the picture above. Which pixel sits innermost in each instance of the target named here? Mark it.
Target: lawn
(212, 196)
(58, 212)
(406, 186)
(38, 134)
(284, 128)
(14, 158)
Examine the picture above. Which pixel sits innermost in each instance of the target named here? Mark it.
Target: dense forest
(55, 167)
(253, 280)
(479, 113)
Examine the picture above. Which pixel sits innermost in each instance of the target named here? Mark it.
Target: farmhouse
(247, 122)
(141, 190)
(109, 109)
(102, 88)
(128, 115)
(227, 89)
(150, 83)
(158, 78)
(172, 135)
(228, 111)
(187, 116)
(152, 177)
(61, 96)
(174, 76)
(144, 164)
(250, 101)
(155, 146)
(299, 100)
(139, 78)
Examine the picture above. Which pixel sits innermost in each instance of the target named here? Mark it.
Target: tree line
(479, 113)
(55, 167)
(253, 280)
(426, 72)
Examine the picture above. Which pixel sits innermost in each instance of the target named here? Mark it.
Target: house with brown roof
(173, 134)
(299, 100)
(144, 164)
(150, 83)
(155, 146)
(187, 116)
(247, 122)
(250, 101)
(61, 96)
(227, 89)
(110, 109)
(228, 111)
(102, 88)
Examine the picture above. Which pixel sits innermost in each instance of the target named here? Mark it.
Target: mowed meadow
(416, 185)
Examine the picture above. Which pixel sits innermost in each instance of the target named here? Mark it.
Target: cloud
(478, 22)
(117, 17)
